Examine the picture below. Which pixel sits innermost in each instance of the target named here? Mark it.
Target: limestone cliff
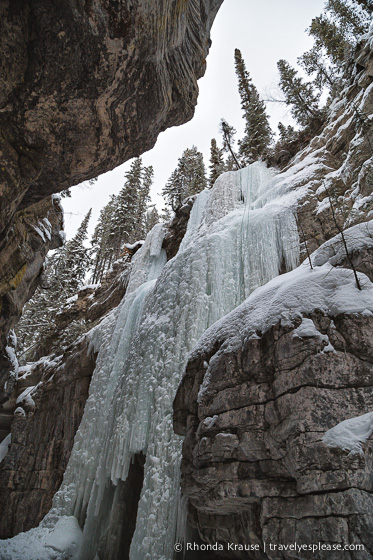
(84, 86)
(254, 405)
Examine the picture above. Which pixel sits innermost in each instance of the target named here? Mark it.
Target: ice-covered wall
(240, 235)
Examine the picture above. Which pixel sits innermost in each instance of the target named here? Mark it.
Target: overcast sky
(264, 31)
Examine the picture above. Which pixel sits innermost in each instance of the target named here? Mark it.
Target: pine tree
(216, 162)
(245, 84)
(141, 229)
(165, 216)
(258, 134)
(300, 95)
(75, 260)
(286, 132)
(102, 250)
(367, 6)
(187, 179)
(230, 164)
(64, 273)
(151, 218)
(327, 35)
(229, 133)
(316, 63)
(352, 21)
(127, 216)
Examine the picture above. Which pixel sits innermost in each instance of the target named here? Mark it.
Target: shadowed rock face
(84, 86)
(42, 437)
(32, 234)
(255, 468)
(87, 85)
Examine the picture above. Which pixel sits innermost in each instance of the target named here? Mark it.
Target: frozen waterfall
(240, 235)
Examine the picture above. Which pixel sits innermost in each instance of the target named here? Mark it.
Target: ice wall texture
(240, 235)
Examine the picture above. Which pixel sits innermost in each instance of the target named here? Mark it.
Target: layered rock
(46, 405)
(257, 398)
(33, 233)
(91, 84)
(84, 87)
(42, 437)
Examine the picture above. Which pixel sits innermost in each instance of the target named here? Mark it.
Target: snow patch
(350, 434)
(4, 446)
(45, 543)
(25, 397)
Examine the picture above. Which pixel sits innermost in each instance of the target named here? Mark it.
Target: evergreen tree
(286, 132)
(300, 95)
(353, 21)
(75, 259)
(316, 63)
(258, 133)
(367, 6)
(230, 164)
(101, 242)
(245, 84)
(151, 218)
(123, 220)
(187, 179)
(216, 162)
(165, 216)
(141, 228)
(64, 273)
(229, 133)
(327, 35)
(127, 216)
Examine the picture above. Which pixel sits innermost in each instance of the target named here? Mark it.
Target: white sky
(264, 31)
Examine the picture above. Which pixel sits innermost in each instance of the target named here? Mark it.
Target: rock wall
(85, 86)
(255, 468)
(43, 430)
(338, 161)
(32, 234)
(46, 404)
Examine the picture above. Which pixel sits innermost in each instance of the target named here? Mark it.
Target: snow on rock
(136, 245)
(39, 232)
(350, 434)
(19, 411)
(307, 329)
(4, 446)
(13, 360)
(25, 398)
(333, 251)
(301, 291)
(71, 300)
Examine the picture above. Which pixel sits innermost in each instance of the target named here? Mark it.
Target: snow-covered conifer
(300, 95)
(187, 179)
(216, 162)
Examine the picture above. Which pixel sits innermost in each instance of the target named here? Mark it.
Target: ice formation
(240, 235)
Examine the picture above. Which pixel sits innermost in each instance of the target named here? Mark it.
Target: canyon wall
(84, 86)
(254, 405)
